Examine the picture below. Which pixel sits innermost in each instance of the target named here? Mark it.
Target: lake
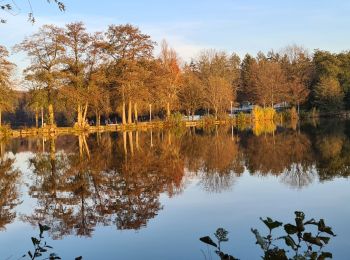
(152, 195)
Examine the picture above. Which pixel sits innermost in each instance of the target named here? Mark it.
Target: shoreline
(140, 126)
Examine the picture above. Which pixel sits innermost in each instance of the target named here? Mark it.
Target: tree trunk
(168, 110)
(80, 139)
(53, 155)
(216, 114)
(135, 111)
(36, 117)
(137, 140)
(79, 115)
(298, 108)
(0, 117)
(150, 113)
(129, 113)
(42, 117)
(98, 119)
(87, 150)
(131, 143)
(124, 143)
(192, 115)
(84, 113)
(2, 149)
(123, 114)
(51, 115)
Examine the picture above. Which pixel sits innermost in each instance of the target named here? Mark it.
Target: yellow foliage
(264, 127)
(263, 114)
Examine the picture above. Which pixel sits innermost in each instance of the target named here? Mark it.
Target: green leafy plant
(41, 248)
(302, 244)
(222, 236)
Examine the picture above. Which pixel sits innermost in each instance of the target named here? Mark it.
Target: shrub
(260, 113)
(175, 120)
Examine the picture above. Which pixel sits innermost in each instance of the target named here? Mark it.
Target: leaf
(53, 256)
(259, 239)
(276, 253)
(43, 228)
(35, 241)
(224, 256)
(325, 239)
(43, 250)
(290, 242)
(79, 258)
(208, 241)
(313, 240)
(290, 229)
(325, 255)
(311, 222)
(313, 255)
(323, 228)
(270, 223)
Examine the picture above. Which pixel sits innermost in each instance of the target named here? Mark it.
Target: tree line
(83, 75)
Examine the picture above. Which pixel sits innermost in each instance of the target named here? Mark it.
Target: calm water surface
(151, 195)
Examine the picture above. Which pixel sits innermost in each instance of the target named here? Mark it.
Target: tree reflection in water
(80, 182)
(9, 188)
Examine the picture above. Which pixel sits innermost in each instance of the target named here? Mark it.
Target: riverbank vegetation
(77, 78)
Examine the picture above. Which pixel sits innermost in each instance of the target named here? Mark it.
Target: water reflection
(79, 182)
(9, 189)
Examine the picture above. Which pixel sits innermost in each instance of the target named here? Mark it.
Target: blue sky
(189, 26)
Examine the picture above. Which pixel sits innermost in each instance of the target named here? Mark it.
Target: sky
(240, 26)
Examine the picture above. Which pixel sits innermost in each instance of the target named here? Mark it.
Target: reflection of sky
(174, 233)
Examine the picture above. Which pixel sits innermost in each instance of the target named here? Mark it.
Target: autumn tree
(6, 92)
(127, 48)
(268, 82)
(297, 64)
(99, 96)
(76, 43)
(191, 95)
(219, 73)
(328, 94)
(171, 78)
(45, 49)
